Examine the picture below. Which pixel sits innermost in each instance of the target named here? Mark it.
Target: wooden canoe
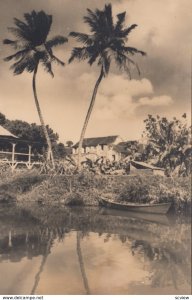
(159, 208)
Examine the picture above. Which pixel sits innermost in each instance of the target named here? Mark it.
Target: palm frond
(57, 40)
(121, 61)
(21, 25)
(82, 37)
(92, 19)
(108, 15)
(57, 60)
(120, 21)
(16, 55)
(133, 51)
(124, 33)
(9, 42)
(130, 61)
(48, 67)
(79, 53)
(17, 32)
(30, 18)
(43, 22)
(27, 63)
(93, 55)
(93, 16)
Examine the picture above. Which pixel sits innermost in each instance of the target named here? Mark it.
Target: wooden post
(29, 158)
(13, 153)
(10, 239)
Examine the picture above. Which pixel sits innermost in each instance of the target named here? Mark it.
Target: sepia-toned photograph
(95, 148)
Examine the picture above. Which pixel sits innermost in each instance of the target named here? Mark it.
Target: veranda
(17, 152)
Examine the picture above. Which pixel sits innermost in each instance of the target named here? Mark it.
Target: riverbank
(84, 189)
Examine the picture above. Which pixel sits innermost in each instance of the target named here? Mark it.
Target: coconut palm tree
(106, 42)
(32, 49)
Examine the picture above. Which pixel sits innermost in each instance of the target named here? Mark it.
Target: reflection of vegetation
(168, 258)
(81, 264)
(165, 247)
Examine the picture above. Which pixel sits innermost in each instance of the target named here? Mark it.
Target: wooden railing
(14, 159)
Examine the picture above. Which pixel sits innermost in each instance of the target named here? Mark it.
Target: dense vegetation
(85, 188)
(169, 144)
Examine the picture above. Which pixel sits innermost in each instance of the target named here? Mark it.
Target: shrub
(155, 189)
(135, 191)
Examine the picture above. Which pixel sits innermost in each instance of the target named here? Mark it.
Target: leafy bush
(135, 191)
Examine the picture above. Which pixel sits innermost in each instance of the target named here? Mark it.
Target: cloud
(156, 101)
(163, 31)
(119, 98)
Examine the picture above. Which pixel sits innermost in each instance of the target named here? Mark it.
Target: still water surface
(94, 251)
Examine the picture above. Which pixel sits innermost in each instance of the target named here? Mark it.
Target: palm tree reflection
(81, 264)
(41, 267)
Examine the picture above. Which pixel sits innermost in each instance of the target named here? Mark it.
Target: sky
(163, 88)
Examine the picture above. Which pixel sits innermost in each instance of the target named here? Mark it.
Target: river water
(93, 251)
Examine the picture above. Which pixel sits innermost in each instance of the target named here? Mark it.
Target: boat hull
(160, 208)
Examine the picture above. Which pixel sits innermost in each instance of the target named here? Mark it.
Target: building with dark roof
(100, 147)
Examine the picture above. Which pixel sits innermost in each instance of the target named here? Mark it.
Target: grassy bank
(85, 189)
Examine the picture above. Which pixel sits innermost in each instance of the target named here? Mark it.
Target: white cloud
(156, 101)
(117, 98)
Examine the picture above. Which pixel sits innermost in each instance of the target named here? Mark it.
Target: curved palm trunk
(88, 116)
(49, 152)
(81, 263)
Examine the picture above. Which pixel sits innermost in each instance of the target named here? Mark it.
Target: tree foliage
(169, 143)
(106, 42)
(31, 43)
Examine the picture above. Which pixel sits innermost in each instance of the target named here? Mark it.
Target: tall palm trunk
(49, 152)
(88, 116)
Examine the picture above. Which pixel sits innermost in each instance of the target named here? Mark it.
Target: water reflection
(81, 264)
(93, 251)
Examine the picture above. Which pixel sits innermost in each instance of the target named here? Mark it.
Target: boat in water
(154, 208)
